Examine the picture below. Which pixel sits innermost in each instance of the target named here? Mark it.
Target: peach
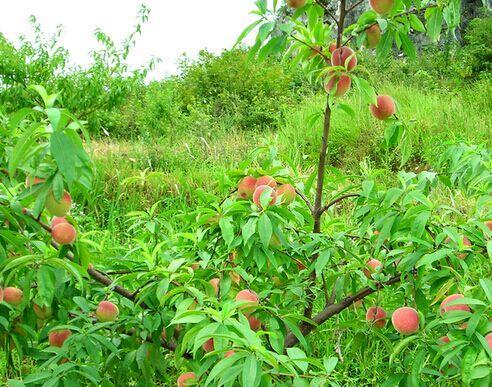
(384, 108)
(340, 55)
(488, 224)
(215, 282)
(13, 296)
(287, 192)
(186, 379)
(56, 220)
(405, 320)
(58, 208)
(444, 308)
(57, 338)
(373, 35)
(332, 47)
(342, 82)
(107, 311)
(208, 346)
(488, 337)
(373, 266)
(250, 300)
(64, 233)
(254, 323)
(381, 6)
(376, 316)
(246, 187)
(296, 3)
(229, 353)
(33, 181)
(42, 312)
(266, 180)
(1, 294)
(269, 192)
(443, 340)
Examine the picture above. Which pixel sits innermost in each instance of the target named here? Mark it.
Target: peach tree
(229, 292)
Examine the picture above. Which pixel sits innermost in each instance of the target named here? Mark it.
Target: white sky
(174, 27)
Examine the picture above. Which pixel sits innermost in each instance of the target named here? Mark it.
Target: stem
(337, 200)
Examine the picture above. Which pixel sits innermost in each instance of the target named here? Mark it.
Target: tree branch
(333, 309)
(306, 200)
(317, 50)
(337, 200)
(352, 7)
(327, 11)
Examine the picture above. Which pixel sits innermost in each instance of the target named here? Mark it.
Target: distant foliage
(477, 51)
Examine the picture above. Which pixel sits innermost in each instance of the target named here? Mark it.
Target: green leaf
(227, 229)
(416, 23)
(249, 228)
(407, 45)
(321, 261)
(251, 372)
(246, 31)
(297, 355)
(433, 16)
(64, 151)
(366, 89)
(384, 47)
(265, 229)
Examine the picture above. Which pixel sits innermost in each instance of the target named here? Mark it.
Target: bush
(477, 52)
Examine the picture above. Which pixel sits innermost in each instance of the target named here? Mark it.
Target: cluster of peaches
(405, 319)
(251, 188)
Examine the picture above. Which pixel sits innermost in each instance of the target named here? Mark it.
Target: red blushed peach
(381, 6)
(341, 82)
(254, 323)
(376, 316)
(249, 298)
(58, 208)
(56, 220)
(246, 187)
(373, 265)
(488, 224)
(295, 3)
(443, 340)
(444, 308)
(269, 191)
(384, 108)
(42, 312)
(287, 193)
(215, 282)
(1, 294)
(33, 181)
(186, 379)
(340, 56)
(333, 47)
(208, 346)
(229, 353)
(64, 233)
(57, 338)
(266, 180)
(13, 296)
(488, 337)
(405, 320)
(107, 311)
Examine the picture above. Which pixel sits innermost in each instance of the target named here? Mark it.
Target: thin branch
(334, 309)
(337, 200)
(351, 8)
(317, 50)
(327, 11)
(306, 200)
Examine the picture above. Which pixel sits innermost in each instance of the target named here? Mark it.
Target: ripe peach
(58, 208)
(443, 340)
(269, 191)
(405, 320)
(42, 312)
(56, 220)
(252, 300)
(107, 311)
(33, 181)
(57, 338)
(376, 316)
(296, 3)
(254, 323)
(229, 353)
(266, 180)
(340, 55)
(287, 192)
(488, 337)
(246, 187)
(488, 224)
(385, 107)
(373, 266)
(342, 83)
(64, 233)
(332, 47)
(13, 296)
(382, 6)
(208, 346)
(215, 284)
(186, 379)
(373, 35)
(444, 308)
